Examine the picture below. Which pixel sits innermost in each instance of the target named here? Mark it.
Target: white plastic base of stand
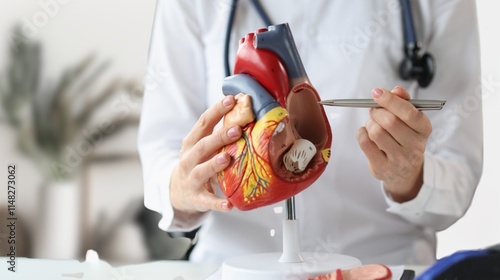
(267, 266)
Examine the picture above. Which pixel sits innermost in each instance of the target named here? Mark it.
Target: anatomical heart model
(286, 136)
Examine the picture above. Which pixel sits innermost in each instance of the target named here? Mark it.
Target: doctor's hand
(193, 182)
(394, 139)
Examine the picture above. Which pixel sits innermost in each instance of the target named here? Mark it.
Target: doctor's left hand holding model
(416, 183)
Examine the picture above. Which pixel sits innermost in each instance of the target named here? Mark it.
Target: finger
(207, 201)
(208, 120)
(399, 131)
(403, 109)
(375, 156)
(211, 144)
(401, 92)
(381, 138)
(202, 173)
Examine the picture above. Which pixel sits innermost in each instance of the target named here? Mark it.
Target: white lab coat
(348, 48)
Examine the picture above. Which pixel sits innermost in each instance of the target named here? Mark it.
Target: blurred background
(77, 69)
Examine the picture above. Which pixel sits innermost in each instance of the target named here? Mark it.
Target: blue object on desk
(466, 265)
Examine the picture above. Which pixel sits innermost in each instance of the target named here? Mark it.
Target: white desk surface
(41, 269)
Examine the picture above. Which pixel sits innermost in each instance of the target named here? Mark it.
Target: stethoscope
(413, 67)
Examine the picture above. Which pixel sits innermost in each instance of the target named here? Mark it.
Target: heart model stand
(289, 264)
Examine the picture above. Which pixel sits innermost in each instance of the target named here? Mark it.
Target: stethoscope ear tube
(229, 28)
(230, 22)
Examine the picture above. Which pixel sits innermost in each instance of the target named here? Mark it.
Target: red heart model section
(285, 146)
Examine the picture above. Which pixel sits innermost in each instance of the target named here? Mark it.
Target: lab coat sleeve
(174, 99)
(454, 154)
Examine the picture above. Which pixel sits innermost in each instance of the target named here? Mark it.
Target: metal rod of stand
(290, 208)
(291, 240)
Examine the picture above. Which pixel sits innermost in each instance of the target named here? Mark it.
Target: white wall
(113, 29)
(120, 29)
(480, 226)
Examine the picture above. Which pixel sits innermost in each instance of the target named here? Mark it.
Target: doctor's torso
(347, 48)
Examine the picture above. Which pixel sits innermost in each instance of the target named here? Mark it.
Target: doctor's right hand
(193, 182)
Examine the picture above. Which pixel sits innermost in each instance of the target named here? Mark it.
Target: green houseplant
(58, 126)
(55, 123)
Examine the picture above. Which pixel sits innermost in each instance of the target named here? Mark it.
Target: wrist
(401, 191)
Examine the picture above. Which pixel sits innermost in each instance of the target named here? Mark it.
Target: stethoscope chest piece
(420, 68)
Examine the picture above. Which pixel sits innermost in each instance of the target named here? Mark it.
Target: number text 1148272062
(11, 216)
